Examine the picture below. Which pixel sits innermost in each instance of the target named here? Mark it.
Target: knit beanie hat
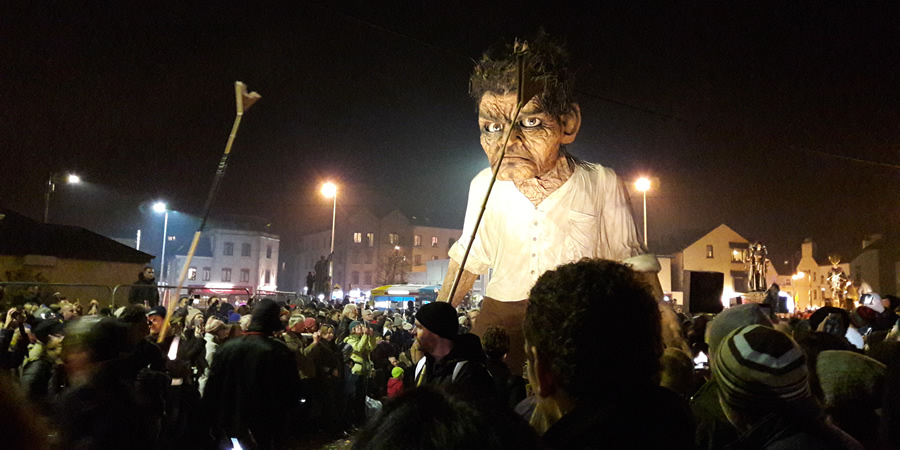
(850, 380)
(354, 324)
(756, 365)
(439, 318)
(397, 372)
(732, 319)
(309, 325)
(265, 317)
(213, 325)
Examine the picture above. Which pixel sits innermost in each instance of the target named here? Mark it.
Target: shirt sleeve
(619, 239)
(479, 260)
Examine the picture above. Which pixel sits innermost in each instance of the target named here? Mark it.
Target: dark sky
(782, 121)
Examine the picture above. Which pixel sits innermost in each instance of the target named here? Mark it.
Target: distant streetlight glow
(643, 185)
(159, 207)
(73, 179)
(51, 186)
(329, 190)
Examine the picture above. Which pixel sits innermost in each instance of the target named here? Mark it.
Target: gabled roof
(20, 236)
(722, 227)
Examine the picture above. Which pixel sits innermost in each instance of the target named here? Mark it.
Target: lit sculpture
(838, 280)
(756, 272)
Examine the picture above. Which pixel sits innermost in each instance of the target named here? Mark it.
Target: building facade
(370, 251)
(230, 257)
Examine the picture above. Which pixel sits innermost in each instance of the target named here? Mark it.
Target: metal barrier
(49, 293)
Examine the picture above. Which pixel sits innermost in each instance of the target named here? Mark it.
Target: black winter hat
(439, 318)
(265, 317)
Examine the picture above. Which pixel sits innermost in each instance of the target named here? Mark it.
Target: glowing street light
(329, 190)
(51, 186)
(160, 207)
(643, 185)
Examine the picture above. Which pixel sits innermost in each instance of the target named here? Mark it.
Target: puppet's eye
(531, 122)
(493, 127)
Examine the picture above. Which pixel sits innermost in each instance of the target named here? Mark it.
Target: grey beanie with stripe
(757, 365)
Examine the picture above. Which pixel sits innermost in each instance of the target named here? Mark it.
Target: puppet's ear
(571, 123)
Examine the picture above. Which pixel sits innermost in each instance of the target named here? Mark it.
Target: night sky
(782, 121)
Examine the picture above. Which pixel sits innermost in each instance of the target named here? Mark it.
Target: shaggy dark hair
(547, 63)
(495, 341)
(597, 324)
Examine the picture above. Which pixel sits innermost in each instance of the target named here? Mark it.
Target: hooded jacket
(144, 289)
(471, 376)
(362, 346)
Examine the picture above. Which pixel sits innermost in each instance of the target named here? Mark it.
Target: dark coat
(472, 378)
(780, 432)
(652, 417)
(144, 289)
(253, 385)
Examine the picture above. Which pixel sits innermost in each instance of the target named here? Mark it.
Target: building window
(417, 241)
(354, 277)
(268, 252)
(357, 238)
(245, 275)
(354, 257)
(737, 256)
(434, 258)
(417, 259)
(434, 241)
(369, 257)
(245, 249)
(393, 238)
(268, 277)
(192, 273)
(229, 249)
(368, 277)
(370, 238)
(226, 274)
(206, 271)
(709, 251)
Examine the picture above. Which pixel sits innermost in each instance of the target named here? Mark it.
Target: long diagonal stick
(244, 102)
(526, 90)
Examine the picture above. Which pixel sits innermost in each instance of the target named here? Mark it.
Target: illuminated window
(434, 241)
(709, 251)
(226, 274)
(434, 258)
(192, 273)
(268, 277)
(206, 271)
(245, 275)
(368, 277)
(370, 238)
(245, 249)
(354, 277)
(417, 259)
(229, 249)
(357, 238)
(417, 241)
(393, 238)
(737, 256)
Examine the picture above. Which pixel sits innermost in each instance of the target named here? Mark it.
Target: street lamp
(160, 207)
(329, 190)
(51, 186)
(643, 185)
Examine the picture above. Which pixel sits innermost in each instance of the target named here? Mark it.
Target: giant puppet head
(549, 120)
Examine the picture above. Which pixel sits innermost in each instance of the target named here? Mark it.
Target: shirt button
(533, 255)
(534, 239)
(535, 223)
(532, 272)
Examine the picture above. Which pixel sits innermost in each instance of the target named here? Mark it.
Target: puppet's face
(536, 137)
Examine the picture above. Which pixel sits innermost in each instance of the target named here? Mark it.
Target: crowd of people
(604, 368)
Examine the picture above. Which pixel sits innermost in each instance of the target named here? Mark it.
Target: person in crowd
(594, 380)
(430, 418)
(395, 383)
(349, 314)
(13, 344)
(361, 342)
(763, 385)
(713, 428)
(41, 374)
(216, 334)
(450, 359)
(509, 388)
(852, 388)
(144, 291)
(100, 410)
(253, 384)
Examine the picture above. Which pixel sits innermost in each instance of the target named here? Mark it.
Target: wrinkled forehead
(502, 106)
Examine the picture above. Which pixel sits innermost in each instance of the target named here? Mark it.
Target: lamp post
(329, 190)
(51, 186)
(643, 185)
(160, 207)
